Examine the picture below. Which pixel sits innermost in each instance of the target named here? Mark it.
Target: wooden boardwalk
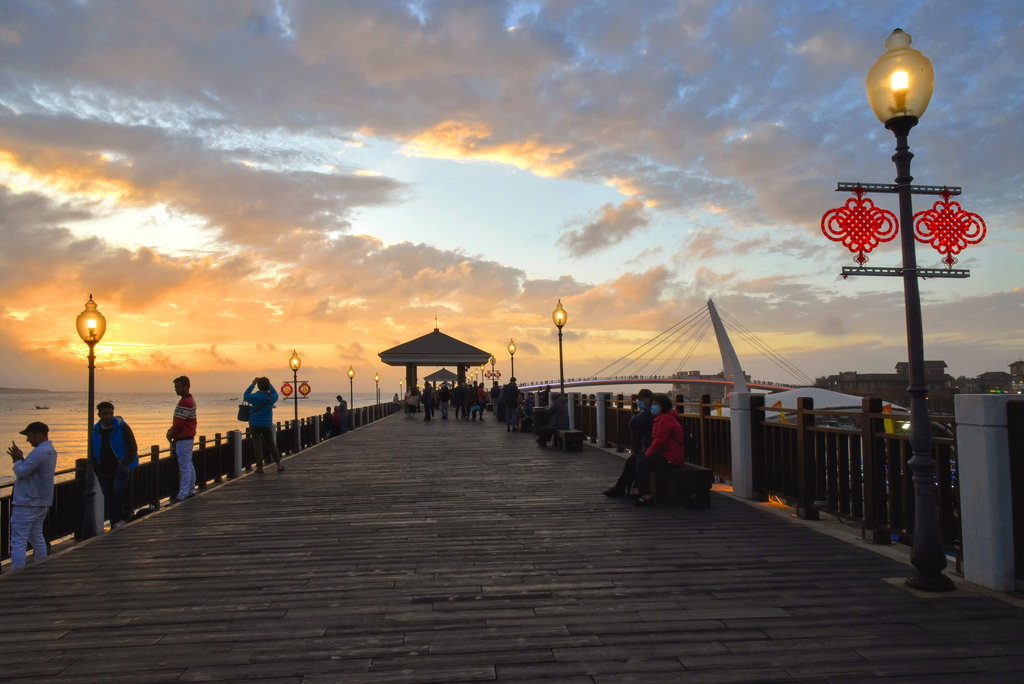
(457, 552)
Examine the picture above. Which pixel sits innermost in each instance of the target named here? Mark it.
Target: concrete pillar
(740, 430)
(986, 506)
(572, 398)
(236, 445)
(602, 418)
(316, 429)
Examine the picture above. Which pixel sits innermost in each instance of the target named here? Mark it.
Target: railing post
(704, 411)
(154, 493)
(236, 444)
(201, 477)
(986, 496)
(874, 472)
(218, 478)
(573, 398)
(805, 459)
(601, 413)
(81, 469)
(741, 430)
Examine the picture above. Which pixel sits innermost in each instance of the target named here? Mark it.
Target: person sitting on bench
(666, 447)
(640, 427)
(558, 419)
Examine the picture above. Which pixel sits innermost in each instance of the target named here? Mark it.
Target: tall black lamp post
(559, 316)
(294, 363)
(493, 361)
(376, 381)
(351, 394)
(91, 325)
(899, 88)
(512, 357)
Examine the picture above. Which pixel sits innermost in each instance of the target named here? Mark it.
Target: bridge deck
(454, 551)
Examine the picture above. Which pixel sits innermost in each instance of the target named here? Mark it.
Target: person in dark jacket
(558, 419)
(666, 447)
(510, 397)
(427, 400)
(261, 420)
(115, 454)
(459, 401)
(640, 427)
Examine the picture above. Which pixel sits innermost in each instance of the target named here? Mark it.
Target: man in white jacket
(33, 493)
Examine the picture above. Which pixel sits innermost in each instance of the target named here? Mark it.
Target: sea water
(149, 416)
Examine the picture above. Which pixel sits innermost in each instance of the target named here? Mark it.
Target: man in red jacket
(181, 435)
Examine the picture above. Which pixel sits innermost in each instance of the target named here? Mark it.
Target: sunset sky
(232, 180)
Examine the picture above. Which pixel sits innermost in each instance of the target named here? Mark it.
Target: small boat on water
(42, 408)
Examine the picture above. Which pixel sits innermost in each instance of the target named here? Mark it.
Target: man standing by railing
(115, 452)
(33, 493)
(182, 435)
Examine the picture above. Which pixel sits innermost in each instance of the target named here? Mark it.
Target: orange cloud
(465, 140)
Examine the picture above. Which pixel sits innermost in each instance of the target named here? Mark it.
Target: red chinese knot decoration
(948, 228)
(859, 225)
(286, 389)
(304, 388)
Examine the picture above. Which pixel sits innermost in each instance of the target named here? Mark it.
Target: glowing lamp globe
(901, 82)
(294, 363)
(91, 324)
(559, 316)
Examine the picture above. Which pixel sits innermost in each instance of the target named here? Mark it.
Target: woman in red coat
(666, 447)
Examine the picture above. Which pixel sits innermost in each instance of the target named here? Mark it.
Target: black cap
(37, 427)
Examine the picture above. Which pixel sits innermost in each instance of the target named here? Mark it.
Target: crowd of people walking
(470, 401)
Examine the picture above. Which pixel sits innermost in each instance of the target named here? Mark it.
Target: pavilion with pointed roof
(433, 350)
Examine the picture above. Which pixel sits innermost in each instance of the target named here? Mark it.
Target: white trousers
(27, 528)
(183, 449)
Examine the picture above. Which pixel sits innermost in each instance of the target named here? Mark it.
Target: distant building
(942, 387)
(892, 387)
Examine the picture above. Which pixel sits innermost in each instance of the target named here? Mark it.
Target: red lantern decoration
(304, 388)
(286, 389)
(948, 228)
(859, 225)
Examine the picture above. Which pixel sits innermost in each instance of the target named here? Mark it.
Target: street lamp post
(351, 395)
(294, 363)
(376, 381)
(91, 325)
(560, 317)
(512, 357)
(899, 88)
(492, 361)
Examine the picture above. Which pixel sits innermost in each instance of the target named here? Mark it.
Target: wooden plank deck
(454, 551)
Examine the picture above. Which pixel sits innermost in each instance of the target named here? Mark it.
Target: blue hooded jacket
(262, 414)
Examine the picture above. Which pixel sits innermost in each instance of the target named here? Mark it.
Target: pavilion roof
(434, 349)
(443, 375)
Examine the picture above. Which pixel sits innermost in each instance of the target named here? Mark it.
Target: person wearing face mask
(666, 447)
(640, 428)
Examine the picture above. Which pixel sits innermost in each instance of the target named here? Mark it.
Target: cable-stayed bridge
(660, 360)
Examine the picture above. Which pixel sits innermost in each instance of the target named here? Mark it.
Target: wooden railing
(156, 477)
(843, 463)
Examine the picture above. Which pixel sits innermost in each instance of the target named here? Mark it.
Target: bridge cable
(765, 349)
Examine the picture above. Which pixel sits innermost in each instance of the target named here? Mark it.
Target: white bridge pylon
(730, 362)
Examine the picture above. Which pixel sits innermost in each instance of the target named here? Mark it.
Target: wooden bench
(686, 487)
(569, 440)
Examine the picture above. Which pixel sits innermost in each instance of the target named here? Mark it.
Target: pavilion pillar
(410, 376)
(461, 371)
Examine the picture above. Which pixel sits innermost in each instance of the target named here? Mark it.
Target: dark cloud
(611, 226)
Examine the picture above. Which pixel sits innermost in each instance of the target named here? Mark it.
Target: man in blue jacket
(640, 426)
(33, 493)
(261, 418)
(115, 454)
